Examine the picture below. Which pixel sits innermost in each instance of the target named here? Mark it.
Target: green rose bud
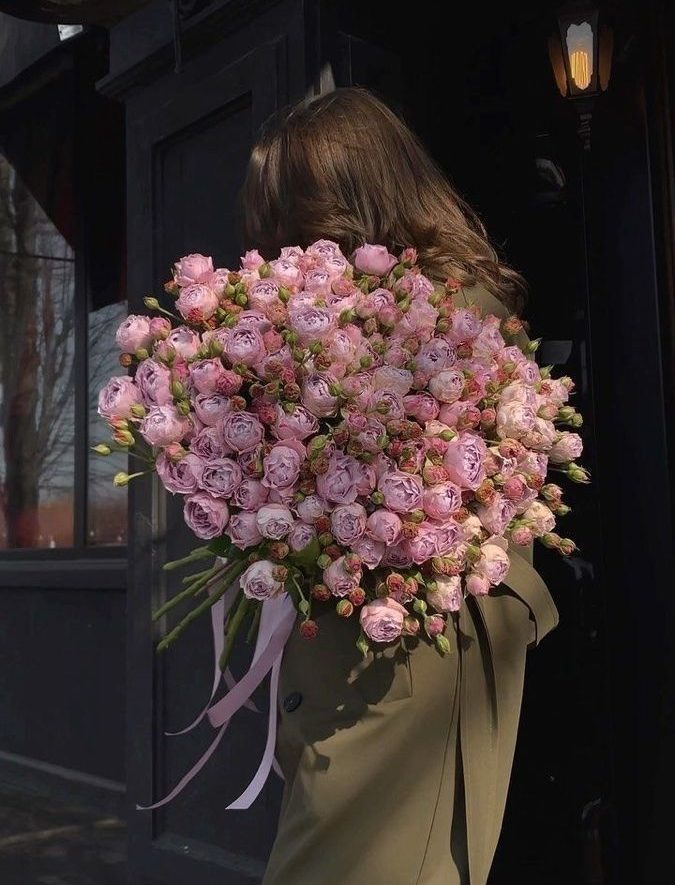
(442, 644)
(101, 449)
(138, 410)
(151, 303)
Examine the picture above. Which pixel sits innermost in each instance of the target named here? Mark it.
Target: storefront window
(37, 359)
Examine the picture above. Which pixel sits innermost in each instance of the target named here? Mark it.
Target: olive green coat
(397, 765)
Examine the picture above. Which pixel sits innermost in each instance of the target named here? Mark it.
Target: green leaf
(303, 605)
(220, 546)
(306, 558)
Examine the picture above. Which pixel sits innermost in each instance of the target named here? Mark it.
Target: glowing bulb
(580, 53)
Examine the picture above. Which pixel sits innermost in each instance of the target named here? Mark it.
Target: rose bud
(308, 629)
(126, 360)
(319, 465)
(333, 551)
(357, 596)
(567, 546)
(434, 625)
(321, 592)
(278, 550)
(560, 509)
(485, 492)
(551, 540)
(352, 563)
(124, 438)
(344, 608)
(488, 417)
(411, 626)
(280, 573)
(322, 524)
(411, 586)
(395, 583)
(442, 644)
(101, 449)
(522, 535)
(307, 486)
(174, 452)
(420, 605)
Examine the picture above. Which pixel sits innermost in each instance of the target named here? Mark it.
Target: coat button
(292, 701)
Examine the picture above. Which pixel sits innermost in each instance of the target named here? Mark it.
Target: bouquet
(345, 433)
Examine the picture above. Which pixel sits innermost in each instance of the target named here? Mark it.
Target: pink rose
(391, 378)
(382, 619)
(312, 323)
(442, 500)
(282, 467)
(447, 597)
(206, 374)
(402, 491)
(197, 303)
(567, 447)
(375, 260)
(179, 477)
(317, 398)
(243, 531)
(339, 581)
(369, 551)
(311, 508)
(477, 585)
(208, 444)
(159, 328)
(205, 515)
(242, 431)
(489, 340)
(493, 563)
(317, 281)
(416, 285)
(339, 484)
(220, 478)
(285, 272)
(191, 268)
(274, 521)
(514, 419)
(447, 386)
(419, 320)
(464, 458)
(540, 518)
(299, 424)
(218, 280)
(250, 494)
(424, 545)
(117, 397)
(163, 425)
(397, 556)
(421, 406)
(263, 294)
(259, 582)
(245, 345)
(323, 249)
(211, 408)
(384, 526)
(134, 333)
(184, 341)
(301, 535)
(464, 326)
(348, 523)
(251, 260)
(496, 515)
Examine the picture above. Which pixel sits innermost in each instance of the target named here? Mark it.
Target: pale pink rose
(386, 403)
(298, 425)
(259, 581)
(335, 266)
(471, 528)
(464, 326)
(243, 531)
(397, 556)
(211, 408)
(197, 303)
(348, 523)
(421, 406)
(179, 477)
(117, 397)
(375, 260)
(311, 508)
(557, 391)
(514, 419)
(344, 346)
(419, 320)
(285, 272)
(282, 467)
(493, 563)
(541, 436)
(522, 536)
(567, 447)
(384, 526)
(515, 488)
(540, 518)
(477, 585)
(274, 521)
(518, 392)
(134, 333)
(339, 484)
(206, 375)
(220, 478)
(251, 260)
(527, 371)
(424, 545)
(191, 268)
(402, 491)
(292, 253)
(252, 319)
(378, 299)
(382, 619)
(435, 356)
(489, 340)
(323, 249)
(301, 535)
(263, 294)
(533, 463)
(159, 328)
(163, 425)
(391, 378)
(316, 396)
(184, 341)
(463, 460)
(369, 551)
(209, 444)
(416, 285)
(364, 477)
(245, 345)
(448, 535)
(242, 431)
(318, 282)
(496, 515)
(205, 515)
(250, 494)
(442, 500)
(448, 596)
(217, 280)
(312, 323)
(447, 386)
(339, 581)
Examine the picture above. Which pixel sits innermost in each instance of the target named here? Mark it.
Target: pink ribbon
(276, 622)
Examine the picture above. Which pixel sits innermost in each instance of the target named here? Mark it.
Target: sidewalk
(44, 841)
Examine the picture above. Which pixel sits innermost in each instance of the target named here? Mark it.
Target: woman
(396, 765)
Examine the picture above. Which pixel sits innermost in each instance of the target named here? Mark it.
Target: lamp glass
(579, 41)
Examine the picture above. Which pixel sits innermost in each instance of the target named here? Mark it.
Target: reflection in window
(37, 279)
(107, 505)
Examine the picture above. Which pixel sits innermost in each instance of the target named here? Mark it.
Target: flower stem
(197, 553)
(233, 625)
(253, 628)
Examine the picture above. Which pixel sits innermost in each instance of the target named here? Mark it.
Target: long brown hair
(344, 167)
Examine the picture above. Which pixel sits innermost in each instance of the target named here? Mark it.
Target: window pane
(107, 505)
(36, 373)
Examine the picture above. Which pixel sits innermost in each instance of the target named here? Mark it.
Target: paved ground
(46, 842)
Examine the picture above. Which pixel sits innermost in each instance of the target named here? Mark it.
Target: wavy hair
(345, 167)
